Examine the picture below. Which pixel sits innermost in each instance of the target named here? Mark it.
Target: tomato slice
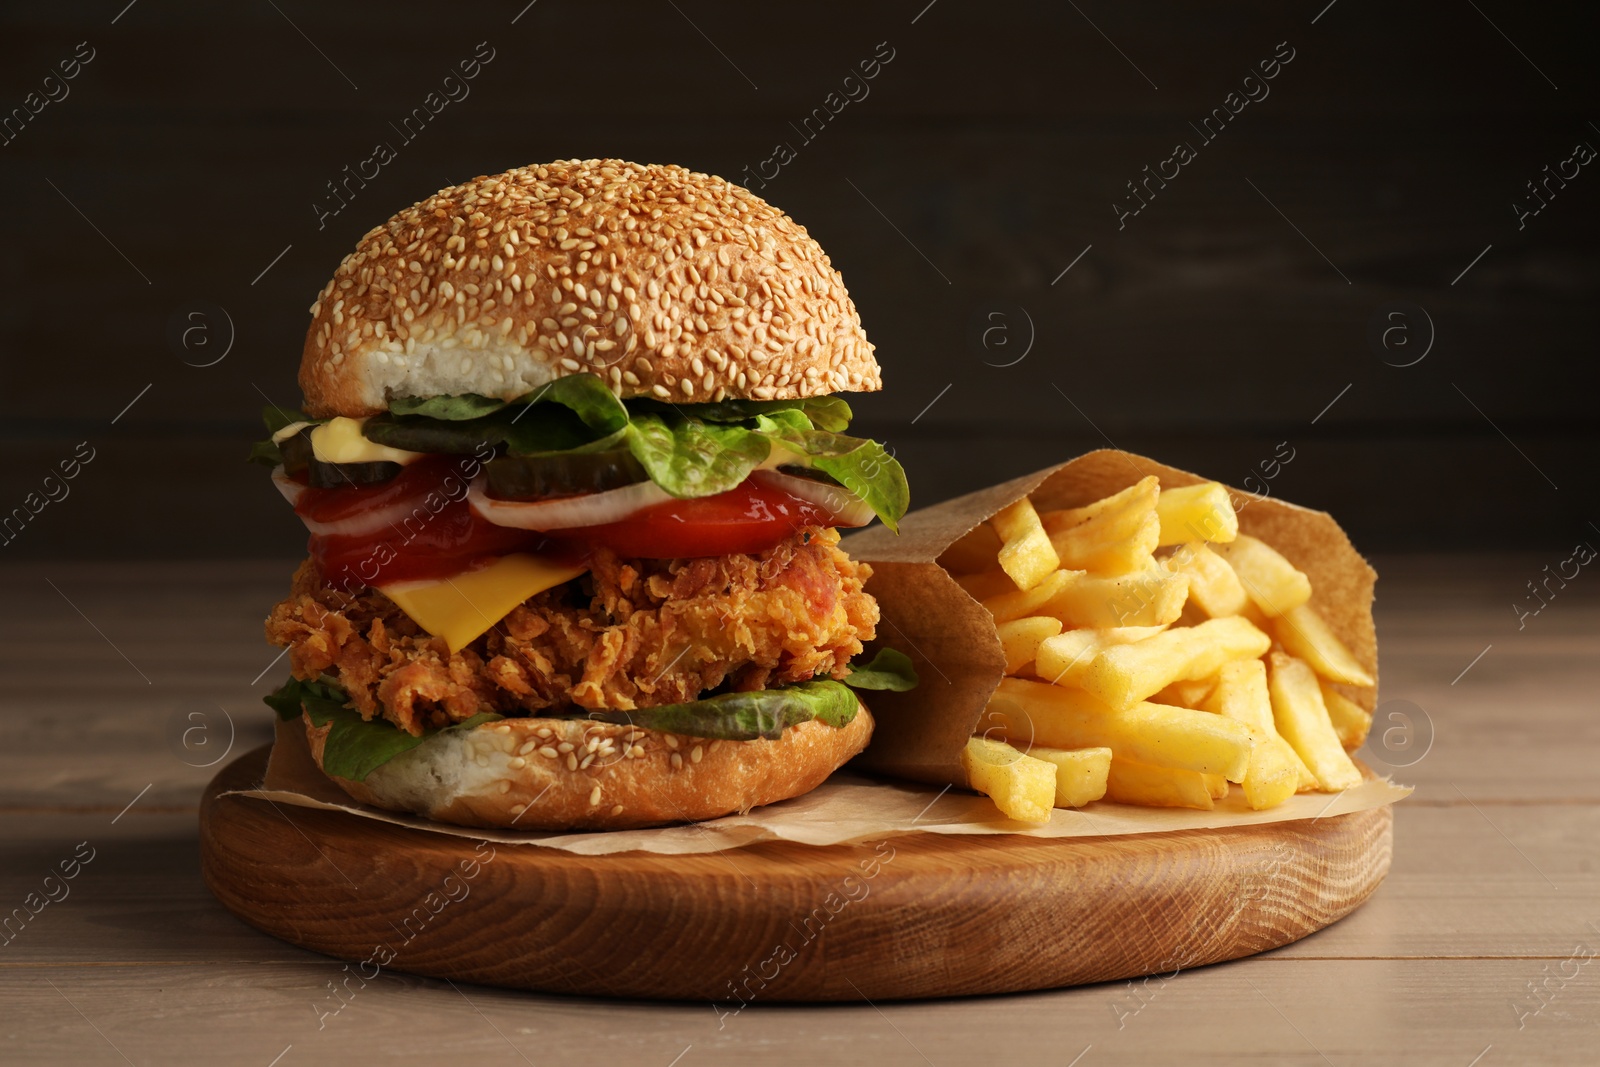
(437, 534)
(750, 518)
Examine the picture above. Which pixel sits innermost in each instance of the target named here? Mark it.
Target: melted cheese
(461, 608)
(340, 440)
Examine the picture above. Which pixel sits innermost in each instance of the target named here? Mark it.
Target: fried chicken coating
(628, 634)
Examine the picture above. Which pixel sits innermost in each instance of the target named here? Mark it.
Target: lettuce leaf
(355, 747)
(694, 458)
(765, 713)
(689, 450)
(890, 669)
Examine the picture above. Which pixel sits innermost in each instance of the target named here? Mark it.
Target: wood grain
(913, 916)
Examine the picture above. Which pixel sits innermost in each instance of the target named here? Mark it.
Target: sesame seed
(672, 740)
(677, 762)
(695, 754)
(594, 797)
(565, 747)
(616, 809)
(547, 752)
(572, 762)
(517, 763)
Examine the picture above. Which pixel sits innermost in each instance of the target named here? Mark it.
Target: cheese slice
(462, 607)
(340, 440)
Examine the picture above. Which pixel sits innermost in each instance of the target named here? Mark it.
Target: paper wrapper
(847, 807)
(920, 734)
(952, 639)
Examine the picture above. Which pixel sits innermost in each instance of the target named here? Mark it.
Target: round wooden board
(916, 915)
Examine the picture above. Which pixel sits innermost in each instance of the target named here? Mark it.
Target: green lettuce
(890, 669)
(355, 747)
(689, 450)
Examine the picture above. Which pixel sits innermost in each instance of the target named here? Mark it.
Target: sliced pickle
(298, 456)
(810, 474)
(562, 474)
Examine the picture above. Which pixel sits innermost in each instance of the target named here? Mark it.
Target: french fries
(1350, 720)
(1026, 553)
(1197, 513)
(1214, 587)
(1302, 718)
(1154, 655)
(1111, 536)
(1157, 787)
(1150, 597)
(1065, 658)
(1051, 715)
(1127, 674)
(1022, 787)
(1020, 638)
(1271, 582)
(1303, 633)
(1080, 773)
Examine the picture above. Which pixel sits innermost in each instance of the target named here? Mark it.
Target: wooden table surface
(115, 679)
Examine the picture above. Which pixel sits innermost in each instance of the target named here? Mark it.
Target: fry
(1271, 778)
(1128, 674)
(1022, 787)
(1157, 787)
(1065, 659)
(1241, 695)
(1302, 719)
(1080, 773)
(1272, 582)
(1350, 720)
(1304, 633)
(1214, 587)
(1152, 597)
(975, 551)
(1020, 639)
(1189, 693)
(1112, 536)
(1044, 714)
(1025, 551)
(1201, 512)
(1017, 603)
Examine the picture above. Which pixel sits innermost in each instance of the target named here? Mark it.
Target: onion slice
(359, 525)
(846, 508)
(563, 513)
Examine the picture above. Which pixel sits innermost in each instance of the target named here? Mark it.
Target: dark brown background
(996, 140)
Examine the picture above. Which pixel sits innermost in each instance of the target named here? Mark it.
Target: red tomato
(437, 536)
(440, 535)
(751, 518)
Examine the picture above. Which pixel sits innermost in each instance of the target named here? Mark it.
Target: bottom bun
(574, 774)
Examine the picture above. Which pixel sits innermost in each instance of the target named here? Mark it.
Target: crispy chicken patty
(629, 633)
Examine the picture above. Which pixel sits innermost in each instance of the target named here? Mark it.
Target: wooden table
(1495, 890)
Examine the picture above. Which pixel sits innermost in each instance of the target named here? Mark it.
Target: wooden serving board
(915, 915)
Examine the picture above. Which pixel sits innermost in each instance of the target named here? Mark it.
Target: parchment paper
(951, 638)
(847, 807)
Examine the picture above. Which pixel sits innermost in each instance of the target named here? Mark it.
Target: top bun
(662, 281)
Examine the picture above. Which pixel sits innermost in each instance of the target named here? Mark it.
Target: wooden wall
(983, 159)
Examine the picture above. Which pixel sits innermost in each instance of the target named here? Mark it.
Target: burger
(573, 463)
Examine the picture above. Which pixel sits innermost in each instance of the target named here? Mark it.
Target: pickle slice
(298, 456)
(562, 474)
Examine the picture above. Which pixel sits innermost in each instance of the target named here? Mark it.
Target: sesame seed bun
(513, 773)
(663, 281)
